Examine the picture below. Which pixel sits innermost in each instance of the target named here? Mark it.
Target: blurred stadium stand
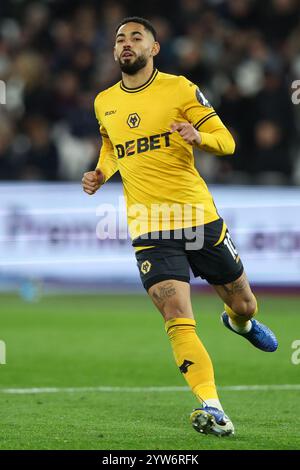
(56, 55)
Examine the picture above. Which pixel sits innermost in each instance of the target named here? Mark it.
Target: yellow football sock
(239, 320)
(192, 358)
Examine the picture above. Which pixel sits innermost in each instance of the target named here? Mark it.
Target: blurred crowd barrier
(56, 55)
(55, 234)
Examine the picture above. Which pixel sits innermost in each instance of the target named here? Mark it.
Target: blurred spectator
(40, 160)
(56, 55)
(7, 168)
(271, 161)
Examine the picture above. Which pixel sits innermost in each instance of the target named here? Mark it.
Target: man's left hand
(187, 132)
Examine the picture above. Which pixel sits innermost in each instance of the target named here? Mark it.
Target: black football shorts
(170, 255)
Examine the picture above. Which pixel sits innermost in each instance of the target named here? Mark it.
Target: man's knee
(175, 312)
(174, 308)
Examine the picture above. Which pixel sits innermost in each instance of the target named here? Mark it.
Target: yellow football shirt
(163, 189)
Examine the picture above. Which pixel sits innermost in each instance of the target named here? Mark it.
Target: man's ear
(155, 48)
(115, 55)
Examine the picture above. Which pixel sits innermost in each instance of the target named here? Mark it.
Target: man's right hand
(92, 180)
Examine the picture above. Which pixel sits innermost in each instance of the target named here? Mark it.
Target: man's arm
(108, 162)
(204, 128)
(107, 165)
(214, 138)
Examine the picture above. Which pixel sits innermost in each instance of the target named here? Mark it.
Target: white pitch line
(226, 388)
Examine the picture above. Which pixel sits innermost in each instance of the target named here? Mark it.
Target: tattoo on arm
(162, 293)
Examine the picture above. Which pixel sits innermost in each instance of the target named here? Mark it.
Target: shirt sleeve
(108, 162)
(196, 109)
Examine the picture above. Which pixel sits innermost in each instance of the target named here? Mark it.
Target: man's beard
(134, 67)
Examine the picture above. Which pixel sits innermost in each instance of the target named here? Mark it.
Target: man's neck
(138, 79)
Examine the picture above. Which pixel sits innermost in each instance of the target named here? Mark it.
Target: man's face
(134, 47)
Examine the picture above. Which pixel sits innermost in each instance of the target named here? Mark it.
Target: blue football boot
(260, 335)
(210, 420)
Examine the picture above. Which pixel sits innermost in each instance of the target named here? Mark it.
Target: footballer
(150, 122)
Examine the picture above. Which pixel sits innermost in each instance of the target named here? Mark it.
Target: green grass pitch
(119, 341)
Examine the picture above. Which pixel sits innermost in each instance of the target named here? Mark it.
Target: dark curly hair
(136, 19)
